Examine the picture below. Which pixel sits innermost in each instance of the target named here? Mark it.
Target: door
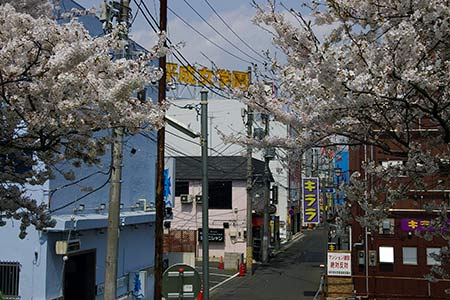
(79, 276)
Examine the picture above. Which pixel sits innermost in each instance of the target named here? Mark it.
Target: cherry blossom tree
(380, 77)
(58, 87)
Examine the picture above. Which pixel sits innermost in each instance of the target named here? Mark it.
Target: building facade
(393, 260)
(227, 201)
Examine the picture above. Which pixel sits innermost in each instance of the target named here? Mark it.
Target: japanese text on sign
(339, 264)
(310, 187)
(422, 225)
(191, 75)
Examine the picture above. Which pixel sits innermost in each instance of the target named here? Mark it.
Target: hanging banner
(310, 192)
(169, 181)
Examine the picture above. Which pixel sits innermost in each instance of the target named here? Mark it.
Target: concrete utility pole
(249, 251)
(160, 204)
(112, 240)
(266, 233)
(205, 194)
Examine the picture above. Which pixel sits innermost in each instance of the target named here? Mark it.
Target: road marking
(226, 280)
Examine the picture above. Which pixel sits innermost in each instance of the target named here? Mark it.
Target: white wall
(226, 116)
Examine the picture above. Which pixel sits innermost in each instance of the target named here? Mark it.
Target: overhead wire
(233, 31)
(177, 51)
(221, 35)
(206, 38)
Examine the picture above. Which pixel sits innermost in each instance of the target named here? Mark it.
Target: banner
(310, 192)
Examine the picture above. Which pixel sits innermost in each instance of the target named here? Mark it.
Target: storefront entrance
(79, 276)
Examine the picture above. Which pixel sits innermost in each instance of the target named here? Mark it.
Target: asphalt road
(294, 273)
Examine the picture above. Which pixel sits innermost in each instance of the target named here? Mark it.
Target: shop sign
(214, 235)
(339, 264)
(411, 224)
(191, 75)
(310, 191)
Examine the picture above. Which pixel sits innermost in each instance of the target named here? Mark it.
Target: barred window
(9, 279)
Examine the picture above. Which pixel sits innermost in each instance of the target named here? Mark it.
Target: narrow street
(294, 273)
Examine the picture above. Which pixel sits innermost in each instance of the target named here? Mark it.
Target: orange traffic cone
(200, 295)
(241, 269)
(221, 266)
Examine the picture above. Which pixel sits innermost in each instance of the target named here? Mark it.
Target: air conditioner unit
(67, 247)
(232, 232)
(198, 199)
(185, 198)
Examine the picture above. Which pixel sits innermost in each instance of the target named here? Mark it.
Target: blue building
(68, 261)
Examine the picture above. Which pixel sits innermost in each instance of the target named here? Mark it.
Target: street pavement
(216, 275)
(294, 273)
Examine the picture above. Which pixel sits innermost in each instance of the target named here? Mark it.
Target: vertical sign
(310, 191)
(169, 181)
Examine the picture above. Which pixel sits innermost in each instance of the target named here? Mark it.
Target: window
(386, 254)
(220, 194)
(409, 255)
(9, 279)
(392, 165)
(181, 187)
(431, 260)
(387, 226)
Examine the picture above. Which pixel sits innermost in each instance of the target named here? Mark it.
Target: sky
(197, 49)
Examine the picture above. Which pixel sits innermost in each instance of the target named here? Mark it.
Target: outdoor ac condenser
(66, 247)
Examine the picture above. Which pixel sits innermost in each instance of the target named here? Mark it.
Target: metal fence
(9, 280)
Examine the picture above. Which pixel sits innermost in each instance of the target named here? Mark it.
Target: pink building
(227, 200)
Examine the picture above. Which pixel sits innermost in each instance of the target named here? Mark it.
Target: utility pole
(205, 194)
(160, 204)
(112, 240)
(266, 233)
(249, 256)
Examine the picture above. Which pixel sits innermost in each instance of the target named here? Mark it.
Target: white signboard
(339, 264)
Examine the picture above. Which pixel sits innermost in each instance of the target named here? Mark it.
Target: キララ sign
(310, 192)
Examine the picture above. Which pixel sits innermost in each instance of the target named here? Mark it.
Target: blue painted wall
(342, 179)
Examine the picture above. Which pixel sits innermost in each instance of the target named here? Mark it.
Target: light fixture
(79, 208)
(121, 205)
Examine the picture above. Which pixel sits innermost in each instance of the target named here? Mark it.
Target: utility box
(372, 258)
(361, 258)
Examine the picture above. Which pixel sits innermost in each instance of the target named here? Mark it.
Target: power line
(234, 32)
(206, 38)
(177, 51)
(220, 34)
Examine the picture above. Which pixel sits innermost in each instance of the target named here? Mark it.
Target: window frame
(382, 252)
(12, 282)
(410, 263)
(387, 231)
(430, 260)
(177, 187)
(217, 201)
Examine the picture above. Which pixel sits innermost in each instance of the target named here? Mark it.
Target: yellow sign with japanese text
(190, 75)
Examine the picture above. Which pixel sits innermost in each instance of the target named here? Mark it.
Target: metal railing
(9, 280)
